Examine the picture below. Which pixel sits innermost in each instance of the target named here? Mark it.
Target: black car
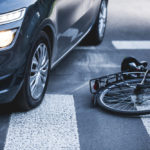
(35, 35)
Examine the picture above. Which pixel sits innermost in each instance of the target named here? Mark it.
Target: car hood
(10, 5)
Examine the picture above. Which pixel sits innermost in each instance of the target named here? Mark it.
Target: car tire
(36, 76)
(96, 35)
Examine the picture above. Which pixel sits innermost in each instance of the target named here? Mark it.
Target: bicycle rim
(121, 98)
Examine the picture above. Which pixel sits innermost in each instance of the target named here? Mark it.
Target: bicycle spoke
(118, 94)
(122, 97)
(118, 99)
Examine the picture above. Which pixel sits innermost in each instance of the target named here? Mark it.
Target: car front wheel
(36, 77)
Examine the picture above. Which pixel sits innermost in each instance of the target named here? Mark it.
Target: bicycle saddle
(130, 64)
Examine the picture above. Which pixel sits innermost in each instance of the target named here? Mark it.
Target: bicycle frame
(111, 79)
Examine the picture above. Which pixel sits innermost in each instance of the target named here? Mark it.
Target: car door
(90, 4)
(87, 4)
(90, 8)
(69, 12)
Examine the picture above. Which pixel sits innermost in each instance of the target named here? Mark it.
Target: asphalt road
(82, 126)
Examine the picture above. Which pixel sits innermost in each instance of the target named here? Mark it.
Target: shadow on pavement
(6, 109)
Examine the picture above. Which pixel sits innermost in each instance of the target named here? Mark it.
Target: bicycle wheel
(124, 98)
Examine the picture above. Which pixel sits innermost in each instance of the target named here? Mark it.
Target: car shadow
(6, 109)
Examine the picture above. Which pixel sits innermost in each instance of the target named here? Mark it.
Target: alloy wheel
(102, 19)
(39, 71)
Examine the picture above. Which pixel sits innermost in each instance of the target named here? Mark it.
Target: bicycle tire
(138, 110)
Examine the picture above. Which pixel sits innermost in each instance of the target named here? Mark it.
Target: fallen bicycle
(125, 92)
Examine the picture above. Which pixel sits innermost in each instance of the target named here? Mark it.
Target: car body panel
(67, 32)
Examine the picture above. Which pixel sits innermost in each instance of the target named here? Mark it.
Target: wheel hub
(39, 70)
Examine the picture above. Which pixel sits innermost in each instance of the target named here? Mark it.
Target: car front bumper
(10, 85)
(13, 60)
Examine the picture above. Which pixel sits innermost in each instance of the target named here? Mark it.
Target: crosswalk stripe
(51, 126)
(146, 122)
(145, 118)
(131, 45)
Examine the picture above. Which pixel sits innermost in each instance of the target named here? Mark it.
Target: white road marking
(145, 119)
(146, 122)
(130, 45)
(51, 126)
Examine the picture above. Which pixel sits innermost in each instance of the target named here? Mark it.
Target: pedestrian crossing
(131, 45)
(51, 126)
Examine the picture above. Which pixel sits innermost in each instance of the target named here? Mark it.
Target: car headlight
(12, 16)
(7, 37)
